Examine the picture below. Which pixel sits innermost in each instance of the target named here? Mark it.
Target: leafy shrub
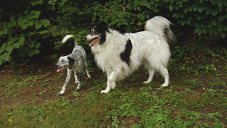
(25, 26)
(199, 18)
(21, 32)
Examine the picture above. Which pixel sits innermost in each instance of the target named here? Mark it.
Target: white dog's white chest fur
(107, 55)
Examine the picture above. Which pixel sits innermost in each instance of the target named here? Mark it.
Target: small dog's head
(64, 62)
(98, 34)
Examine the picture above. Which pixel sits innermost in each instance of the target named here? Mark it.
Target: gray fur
(79, 65)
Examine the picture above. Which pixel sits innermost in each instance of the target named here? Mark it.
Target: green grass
(165, 108)
(186, 103)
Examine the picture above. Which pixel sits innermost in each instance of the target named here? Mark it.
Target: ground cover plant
(196, 98)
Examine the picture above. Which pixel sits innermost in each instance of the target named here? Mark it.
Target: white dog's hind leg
(108, 88)
(165, 74)
(111, 81)
(77, 81)
(69, 72)
(151, 74)
(113, 85)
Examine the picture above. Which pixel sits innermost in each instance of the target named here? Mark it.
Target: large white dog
(119, 54)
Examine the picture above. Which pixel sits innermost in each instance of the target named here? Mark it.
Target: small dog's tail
(160, 25)
(68, 38)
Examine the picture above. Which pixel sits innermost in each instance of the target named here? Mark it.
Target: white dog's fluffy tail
(160, 25)
(66, 38)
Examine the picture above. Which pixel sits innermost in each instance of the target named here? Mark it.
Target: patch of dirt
(211, 109)
(128, 122)
(176, 113)
(224, 120)
(44, 89)
(207, 110)
(105, 124)
(47, 87)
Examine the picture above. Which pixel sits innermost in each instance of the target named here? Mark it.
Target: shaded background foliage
(32, 29)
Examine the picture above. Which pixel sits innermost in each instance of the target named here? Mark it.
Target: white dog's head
(64, 62)
(98, 34)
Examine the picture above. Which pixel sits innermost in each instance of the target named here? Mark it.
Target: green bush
(201, 18)
(21, 31)
(25, 26)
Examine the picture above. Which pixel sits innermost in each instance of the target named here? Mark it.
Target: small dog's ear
(71, 61)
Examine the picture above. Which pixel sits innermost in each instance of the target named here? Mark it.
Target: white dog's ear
(101, 27)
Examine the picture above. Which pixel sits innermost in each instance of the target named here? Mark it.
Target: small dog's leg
(111, 84)
(151, 74)
(77, 81)
(86, 69)
(165, 74)
(88, 74)
(69, 72)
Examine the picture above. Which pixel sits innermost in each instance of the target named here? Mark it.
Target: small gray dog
(74, 62)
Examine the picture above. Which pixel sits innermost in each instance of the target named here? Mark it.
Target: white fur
(149, 48)
(66, 38)
(157, 22)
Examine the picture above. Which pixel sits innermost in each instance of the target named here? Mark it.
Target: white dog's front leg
(77, 81)
(108, 87)
(113, 85)
(69, 72)
(111, 79)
